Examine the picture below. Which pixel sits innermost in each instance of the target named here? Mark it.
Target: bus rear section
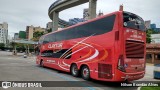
(131, 61)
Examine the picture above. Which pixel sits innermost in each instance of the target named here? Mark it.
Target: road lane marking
(68, 79)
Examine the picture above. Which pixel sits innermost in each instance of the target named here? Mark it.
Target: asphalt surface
(17, 68)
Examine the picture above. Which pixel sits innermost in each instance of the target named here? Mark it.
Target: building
(31, 29)
(29, 32)
(3, 33)
(86, 14)
(157, 30)
(49, 25)
(22, 34)
(16, 36)
(100, 13)
(10, 39)
(76, 20)
(153, 26)
(148, 24)
(35, 29)
(155, 38)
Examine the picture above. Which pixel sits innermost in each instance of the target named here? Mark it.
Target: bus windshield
(133, 21)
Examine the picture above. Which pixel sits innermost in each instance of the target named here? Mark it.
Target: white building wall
(3, 33)
(155, 38)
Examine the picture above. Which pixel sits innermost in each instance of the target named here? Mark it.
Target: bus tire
(85, 72)
(41, 63)
(74, 70)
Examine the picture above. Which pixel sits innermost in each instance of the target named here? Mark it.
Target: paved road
(17, 68)
(149, 74)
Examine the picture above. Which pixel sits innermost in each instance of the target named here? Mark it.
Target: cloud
(21, 13)
(147, 9)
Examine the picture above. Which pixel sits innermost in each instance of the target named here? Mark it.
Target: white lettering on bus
(135, 20)
(59, 45)
(136, 36)
(51, 61)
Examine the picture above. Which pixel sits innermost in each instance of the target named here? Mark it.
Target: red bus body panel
(100, 53)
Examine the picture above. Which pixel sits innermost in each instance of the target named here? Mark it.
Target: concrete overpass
(61, 5)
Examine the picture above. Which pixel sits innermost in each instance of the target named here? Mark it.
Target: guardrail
(55, 4)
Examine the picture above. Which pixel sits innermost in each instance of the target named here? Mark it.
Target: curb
(149, 64)
(139, 88)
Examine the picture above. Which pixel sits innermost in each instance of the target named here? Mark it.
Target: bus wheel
(74, 70)
(85, 73)
(41, 63)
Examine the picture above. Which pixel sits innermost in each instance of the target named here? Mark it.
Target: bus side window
(47, 53)
(66, 55)
(43, 54)
(44, 42)
(50, 53)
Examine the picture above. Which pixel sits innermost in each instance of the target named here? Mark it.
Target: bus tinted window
(46, 39)
(52, 54)
(52, 37)
(133, 21)
(97, 27)
(102, 26)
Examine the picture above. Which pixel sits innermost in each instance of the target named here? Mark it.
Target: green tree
(148, 35)
(49, 30)
(37, 35)
(20, 45)
(2, 45)
(12, 44)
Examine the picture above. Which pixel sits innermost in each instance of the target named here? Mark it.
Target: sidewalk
(149, 73)
(149, 64)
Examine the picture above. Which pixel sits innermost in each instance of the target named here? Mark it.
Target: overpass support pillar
(92, 8)
(55, 21)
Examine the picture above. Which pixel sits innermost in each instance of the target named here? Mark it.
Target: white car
(25, 56)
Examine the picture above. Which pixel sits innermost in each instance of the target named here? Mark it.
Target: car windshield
(133, 21)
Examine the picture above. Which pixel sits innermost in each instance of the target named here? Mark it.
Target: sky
(21, 13)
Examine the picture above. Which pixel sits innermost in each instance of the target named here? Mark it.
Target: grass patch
(150, 88)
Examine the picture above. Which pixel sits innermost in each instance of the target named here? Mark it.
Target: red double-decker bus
(107, 48)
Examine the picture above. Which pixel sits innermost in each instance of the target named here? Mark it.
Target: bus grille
(105, 71)
(134, 49)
